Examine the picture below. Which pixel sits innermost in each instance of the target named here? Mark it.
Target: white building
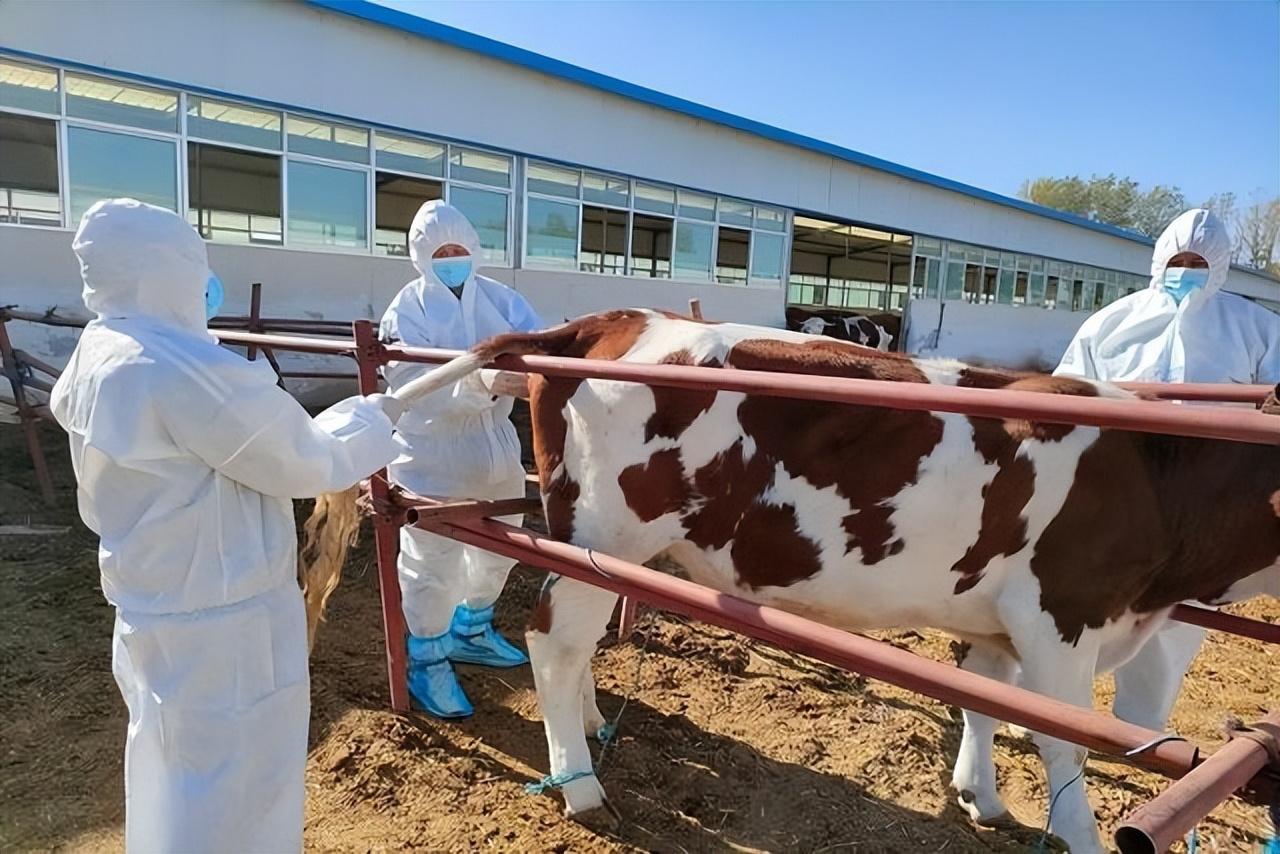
(300, 137)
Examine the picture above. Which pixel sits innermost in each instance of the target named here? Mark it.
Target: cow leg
(569, 620)
(974, 778)
(1063, 672)
(1147, 686)
(592, 718)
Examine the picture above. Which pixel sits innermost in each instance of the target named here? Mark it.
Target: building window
(328, 140)
(985, 276)
(1036, 289)
(654, 199)
(766, 257)
(396, 201)
(101, 100)
(106, 165)
(1020, 287)
(479, 167)
(548, 180)
(234, 196)
(696, 206)
(854, 267)
(28, 87)
(552, 231)
(733, 247)
(671, 232)
(402, 154)
(693, 250)
(604, 241)
(925, 276)
(237, 124)
(651, 245)
(327, 206)
(487, 212)
(735, 213)
(29, 171)
(606, 190)
(769, 219)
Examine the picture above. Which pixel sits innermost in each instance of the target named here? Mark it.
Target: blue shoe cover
(476, 642)
(432, 682)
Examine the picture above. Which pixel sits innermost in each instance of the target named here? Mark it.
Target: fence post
(29, 419)
(369, 357)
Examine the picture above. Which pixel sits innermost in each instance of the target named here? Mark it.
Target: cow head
(814, 326)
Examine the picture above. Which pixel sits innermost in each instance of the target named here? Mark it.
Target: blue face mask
(454, 272)
(212, 297)
(1180, 281)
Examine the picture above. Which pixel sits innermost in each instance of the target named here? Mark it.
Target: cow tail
(328, 534)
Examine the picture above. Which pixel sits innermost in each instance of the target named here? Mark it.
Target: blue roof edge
(425, 28)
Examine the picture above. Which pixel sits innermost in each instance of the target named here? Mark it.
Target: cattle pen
(1250, 762)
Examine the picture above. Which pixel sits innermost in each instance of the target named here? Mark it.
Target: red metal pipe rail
(386, 533)
(1209, 392)
(1140, 415)
(1243, 626)
(1157, 825)
(27, 415)
(1205, 392)
(872, 658)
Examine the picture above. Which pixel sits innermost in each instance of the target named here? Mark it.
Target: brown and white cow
(1055, 548)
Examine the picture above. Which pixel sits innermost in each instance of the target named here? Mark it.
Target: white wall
(1005, 335)
(337, 64)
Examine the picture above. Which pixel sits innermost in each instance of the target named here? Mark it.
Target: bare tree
(1258, 233)
(1224, 205)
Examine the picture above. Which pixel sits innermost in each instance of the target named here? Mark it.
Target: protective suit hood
(1198, 231)
(138, 260)
(437, 224)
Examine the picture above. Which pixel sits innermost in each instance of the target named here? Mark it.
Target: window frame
(60, 145)
(335, 164)
(283, 162)
(179, 94)
(62, 90)
(180, 156)
(632, 210)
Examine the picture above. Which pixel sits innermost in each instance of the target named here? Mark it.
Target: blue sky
(1184, 93)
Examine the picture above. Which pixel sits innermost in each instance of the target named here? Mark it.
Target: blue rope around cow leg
(606, 734)
(555, 781)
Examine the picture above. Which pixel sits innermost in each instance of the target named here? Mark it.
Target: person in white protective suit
(1182, 328)
(187, 457)
(458, 442)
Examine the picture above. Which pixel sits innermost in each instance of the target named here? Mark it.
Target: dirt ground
(724, 745)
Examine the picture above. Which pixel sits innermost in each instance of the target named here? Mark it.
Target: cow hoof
(593, 723)
(604, 819)
(994, 814)
(584, 796)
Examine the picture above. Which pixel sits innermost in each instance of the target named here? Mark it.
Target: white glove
(391, 406)
(506, 383)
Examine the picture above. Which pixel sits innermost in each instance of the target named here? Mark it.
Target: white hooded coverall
(458, 442)
(187, 457)
(1210, 337)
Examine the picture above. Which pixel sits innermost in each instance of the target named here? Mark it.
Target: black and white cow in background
(855, 328)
